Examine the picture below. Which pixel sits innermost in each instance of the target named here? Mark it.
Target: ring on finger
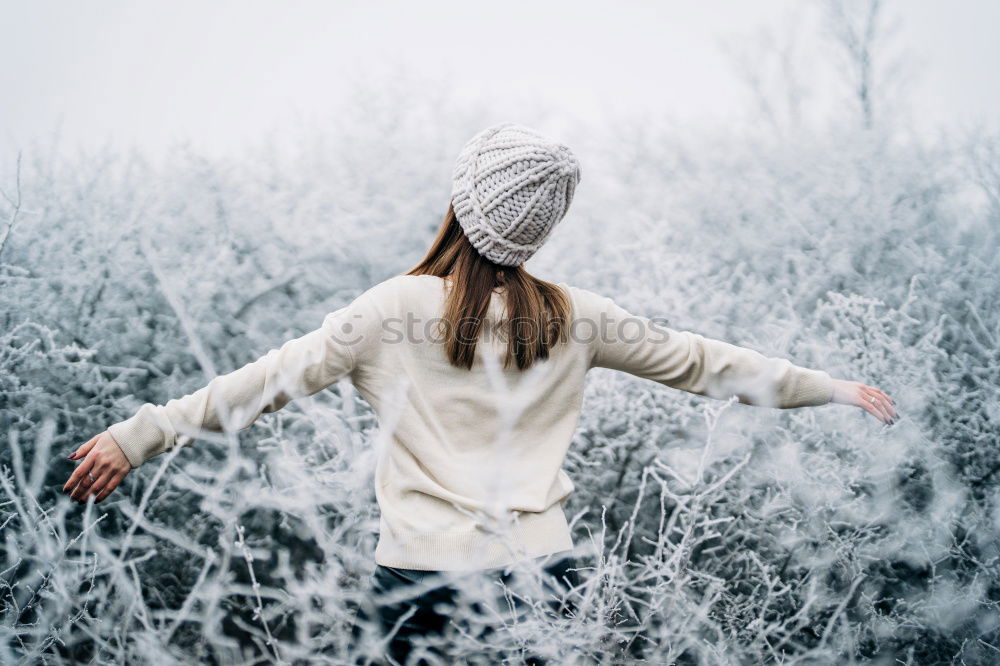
(872, 400)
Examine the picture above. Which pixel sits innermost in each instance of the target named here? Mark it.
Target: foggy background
(221, 73)
(184, 186)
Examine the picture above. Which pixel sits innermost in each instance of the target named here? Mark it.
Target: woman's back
(489, 439)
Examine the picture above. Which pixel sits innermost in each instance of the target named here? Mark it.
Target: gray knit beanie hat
(511, 186)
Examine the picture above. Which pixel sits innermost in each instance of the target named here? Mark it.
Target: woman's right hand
(869, 398)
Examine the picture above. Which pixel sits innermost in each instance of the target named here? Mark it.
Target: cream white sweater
(471, 476)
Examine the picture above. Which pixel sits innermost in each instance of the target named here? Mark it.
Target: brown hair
(537, 311)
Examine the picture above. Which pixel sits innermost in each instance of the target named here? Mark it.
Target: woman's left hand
(103, 468)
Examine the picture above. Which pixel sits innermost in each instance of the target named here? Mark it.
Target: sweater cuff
(809, 388)
(138, 438)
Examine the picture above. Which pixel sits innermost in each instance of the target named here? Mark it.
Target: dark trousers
(426, 620)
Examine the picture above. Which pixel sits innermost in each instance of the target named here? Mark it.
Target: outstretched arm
(230, 402)
(694, 363)
(300, 367)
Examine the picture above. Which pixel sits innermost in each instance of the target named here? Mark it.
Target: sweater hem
(533, 534)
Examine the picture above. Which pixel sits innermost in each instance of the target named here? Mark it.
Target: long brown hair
(537, 312)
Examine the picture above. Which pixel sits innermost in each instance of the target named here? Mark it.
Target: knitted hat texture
(511, 186)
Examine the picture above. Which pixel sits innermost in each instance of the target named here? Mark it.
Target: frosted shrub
(708, 531)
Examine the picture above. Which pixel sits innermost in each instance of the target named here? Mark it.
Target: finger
(79, 473)
(882, 395)
(868, 407)
(891, 406)
(111, 485)
(892, 412)
(886, 396)
(883, 411)
(881, 408)
(85, 448)
(89, 479)
(98, 485)
(889, 409)
(872, 408)
(80, 489)
(888, 401)
(86, 485)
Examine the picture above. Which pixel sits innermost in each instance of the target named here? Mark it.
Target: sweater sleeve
(691, 362)
(230, 402)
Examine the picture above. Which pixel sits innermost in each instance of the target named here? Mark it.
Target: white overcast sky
(221, 72)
